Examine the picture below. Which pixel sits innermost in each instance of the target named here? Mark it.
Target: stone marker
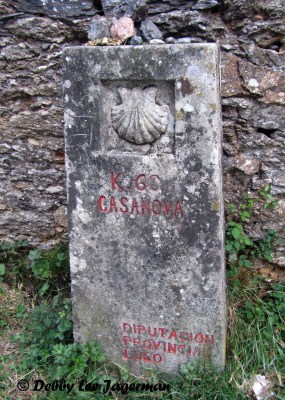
(143, 142)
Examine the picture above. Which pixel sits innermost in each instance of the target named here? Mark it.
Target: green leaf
(232, 223)
(231, 207)
(278, 295)
(237, 245)
(247, 241)
(236, 232)
(55, 301)
(183, 369)
(244, 216)
(247, 263)
(268, 257)
(2, 269)
(229, 247)
(240, 262)
(281, 308)
(267, 188)
(24, 243)
(34, 254)
(43, 289)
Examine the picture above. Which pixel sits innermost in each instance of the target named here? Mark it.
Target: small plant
(48, 324)
(265, 193)
(77, 360)
(49, 267)
(2, 271)
(257, 343)
(240, 247)
(44, 271)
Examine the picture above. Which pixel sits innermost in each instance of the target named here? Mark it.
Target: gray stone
(40, 28)
(239, 9)
(54, 189)
(99, 28)
(205, 4)
(122, 28)
(191, 23)
(59, 8)
(60, 216)
(226, 47)
(156, 41)
(157, 7)
(17, 52)
(186, 40)
(136, 9)
(5, 8)
(247, 165)
(143, 142)
(149, 31)
(136, 40)
(170, 40)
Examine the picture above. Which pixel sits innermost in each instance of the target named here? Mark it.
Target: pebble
(170, 40)
(149, 31)
(156, 41)
(227, 47)
(135, 40)
(122, 28)
(186, 40)
(99, 28)
(205, 4)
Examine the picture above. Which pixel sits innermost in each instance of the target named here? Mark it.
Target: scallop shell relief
(139, 119)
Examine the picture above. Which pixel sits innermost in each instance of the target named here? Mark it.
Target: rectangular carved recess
(137, 117)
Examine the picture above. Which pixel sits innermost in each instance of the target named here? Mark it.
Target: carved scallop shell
(139, 119)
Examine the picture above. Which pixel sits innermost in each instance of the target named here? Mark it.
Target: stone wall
(33, 34)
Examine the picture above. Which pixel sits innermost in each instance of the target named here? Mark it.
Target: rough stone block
(61, 8)
(143, 140)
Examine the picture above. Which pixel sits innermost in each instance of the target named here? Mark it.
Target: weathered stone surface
(60, 216)
(7, 40)
(146, 219)
(136, 40)
(6, 8)
(39, 28)
(59, 8)
(156, 41)
(136, 9)
(27, 84)
(241, 9)
(266, 58)
(247, 165)
(30, 123)
(158, 6)
(149, 31)
(170, 40)
(32, 224)
(186, 40)
(279, 260)
(268, 84)
(205, 4)
(18, 52)
(99, 28)
(264, 35)
(231, 79)
(123, 29)
(190, 23)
